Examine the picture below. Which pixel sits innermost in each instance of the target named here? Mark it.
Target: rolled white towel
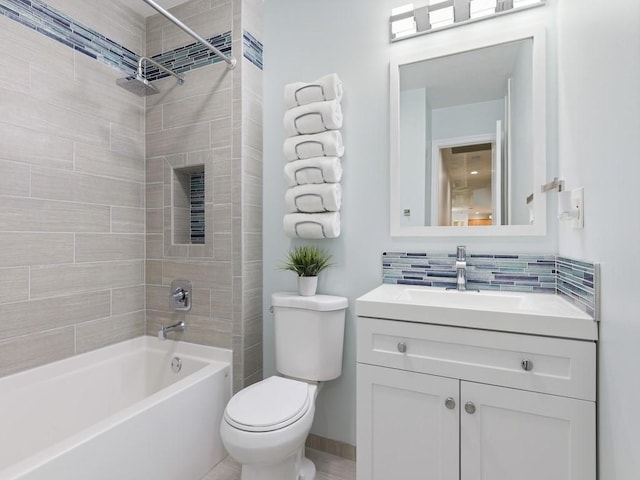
(325, 144)
(313, 170)
(313, 118)
(328, 87)
(326, 197)
(312, 225)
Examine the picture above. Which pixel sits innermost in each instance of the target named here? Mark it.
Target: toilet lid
(269, 405)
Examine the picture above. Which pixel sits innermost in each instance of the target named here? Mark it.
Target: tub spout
(177, 327)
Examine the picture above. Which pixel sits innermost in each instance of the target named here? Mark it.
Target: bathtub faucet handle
(180, 295)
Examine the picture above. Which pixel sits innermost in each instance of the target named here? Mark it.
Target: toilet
(266, 424)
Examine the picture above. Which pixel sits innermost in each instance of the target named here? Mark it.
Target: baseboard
(334, 447)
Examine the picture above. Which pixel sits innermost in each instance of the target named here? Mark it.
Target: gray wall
(303, 41)
(71, 193)
(213, 119)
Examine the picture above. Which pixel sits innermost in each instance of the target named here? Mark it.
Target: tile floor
(329, 467)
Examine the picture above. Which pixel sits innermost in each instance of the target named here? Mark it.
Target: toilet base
(296, 467)
(307, 470)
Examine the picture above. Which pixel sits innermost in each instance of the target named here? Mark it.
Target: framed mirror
(468, 138)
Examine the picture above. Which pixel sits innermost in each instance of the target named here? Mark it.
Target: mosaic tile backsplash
(573, 279)
(60, 27)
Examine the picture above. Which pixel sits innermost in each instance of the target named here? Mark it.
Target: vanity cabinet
(447, 403)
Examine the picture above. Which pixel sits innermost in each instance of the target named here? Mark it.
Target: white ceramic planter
(307, 286)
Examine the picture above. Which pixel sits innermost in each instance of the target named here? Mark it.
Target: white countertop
(518, 312)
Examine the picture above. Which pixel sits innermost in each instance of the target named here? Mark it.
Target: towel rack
(552, 185)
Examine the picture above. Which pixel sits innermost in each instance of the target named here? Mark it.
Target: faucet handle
(179, 294)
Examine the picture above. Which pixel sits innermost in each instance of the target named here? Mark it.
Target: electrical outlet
(577, 201)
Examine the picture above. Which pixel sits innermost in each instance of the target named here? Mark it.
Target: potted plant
(307, 261)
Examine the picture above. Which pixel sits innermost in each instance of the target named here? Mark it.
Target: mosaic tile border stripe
(60, 27)
(575, 280)
(189, 57)
(252, 50)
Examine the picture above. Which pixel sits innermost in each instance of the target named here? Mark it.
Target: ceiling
(468, 77)
(145, 10)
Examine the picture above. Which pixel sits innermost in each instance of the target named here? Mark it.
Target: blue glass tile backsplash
(576, 280)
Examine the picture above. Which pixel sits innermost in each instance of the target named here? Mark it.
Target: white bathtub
(118, 413)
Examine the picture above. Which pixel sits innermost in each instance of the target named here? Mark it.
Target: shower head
(141, 86)
(138, 85)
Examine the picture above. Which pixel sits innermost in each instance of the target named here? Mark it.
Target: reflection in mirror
(466, 186)
(465, 150)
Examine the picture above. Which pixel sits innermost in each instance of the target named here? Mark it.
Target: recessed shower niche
(188, 200)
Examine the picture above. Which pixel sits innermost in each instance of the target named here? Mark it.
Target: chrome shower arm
(231, 62)
(156, 64)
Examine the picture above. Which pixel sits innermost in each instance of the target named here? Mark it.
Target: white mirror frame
(539, 226)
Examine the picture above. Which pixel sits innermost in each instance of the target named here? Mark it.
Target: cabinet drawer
(528, 362)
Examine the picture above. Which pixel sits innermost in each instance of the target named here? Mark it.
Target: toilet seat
(269, 405)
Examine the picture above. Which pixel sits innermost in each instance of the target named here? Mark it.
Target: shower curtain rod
(231, 62)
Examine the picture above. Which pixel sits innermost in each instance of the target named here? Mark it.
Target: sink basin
(520, 312)
(468, 299)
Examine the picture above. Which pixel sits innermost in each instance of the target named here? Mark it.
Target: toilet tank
(309, 335)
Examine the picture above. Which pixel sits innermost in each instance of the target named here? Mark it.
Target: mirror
(468, 138)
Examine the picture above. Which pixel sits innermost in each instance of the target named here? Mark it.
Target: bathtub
(118, 413)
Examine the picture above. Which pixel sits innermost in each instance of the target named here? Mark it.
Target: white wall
(599, 112)
(466, 120)
(304, 40)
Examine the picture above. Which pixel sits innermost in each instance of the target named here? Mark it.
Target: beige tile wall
(76, 196)
(204, 122)
(71, 193)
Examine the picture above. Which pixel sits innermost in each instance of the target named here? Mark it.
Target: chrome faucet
(461, 268)
(176, 327)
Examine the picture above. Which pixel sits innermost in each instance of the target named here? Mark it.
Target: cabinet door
(405, 428)
(514, 434)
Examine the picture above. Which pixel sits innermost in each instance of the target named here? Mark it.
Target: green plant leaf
(307, 260)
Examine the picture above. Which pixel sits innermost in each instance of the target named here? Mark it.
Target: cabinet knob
(402, 347)
(450, 403)
(527, 364)
(470, 408)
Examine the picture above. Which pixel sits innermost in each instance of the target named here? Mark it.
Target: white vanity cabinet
(447, 403)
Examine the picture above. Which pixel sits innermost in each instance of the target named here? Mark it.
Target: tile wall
(84, 165)
(213, 120)
(72, 174)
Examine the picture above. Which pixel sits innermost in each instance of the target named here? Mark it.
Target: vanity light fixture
(403, 21)
(426, 16)
(473, 172)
